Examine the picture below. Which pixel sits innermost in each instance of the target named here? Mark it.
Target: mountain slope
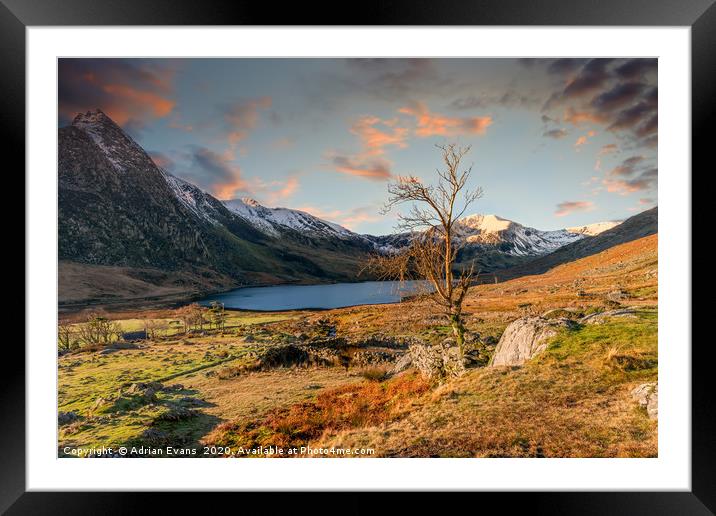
(633, 228)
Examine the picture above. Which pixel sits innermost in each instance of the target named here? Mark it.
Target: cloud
(509, 98)
(216, 173)
(274, 192)
(375, 134)
(375, 168)
(636, 68)
(631, 117)
(575, 117)
(568, 207)
(592, 76)
(555, 133)
(350, 219)
(162, 160)
(131, 91)
(242, 116)
(617, 97)
(431, 124)
(394, 79)
(582, 140)
(609, 148)
(564, 65)
(630, 176)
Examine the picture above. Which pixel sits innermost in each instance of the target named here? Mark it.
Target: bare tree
(66, 337)
(433, 249)
(99, 329)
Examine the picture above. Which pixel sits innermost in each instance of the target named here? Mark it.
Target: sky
(554, 142)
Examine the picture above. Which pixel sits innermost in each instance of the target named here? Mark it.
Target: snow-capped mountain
(594, 229)
(273, 221)
(511, 237)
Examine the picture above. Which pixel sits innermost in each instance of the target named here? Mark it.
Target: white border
(670, 471)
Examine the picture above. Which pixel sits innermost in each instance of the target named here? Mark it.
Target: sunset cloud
(431, 124)
(351, 219)
(576, 117)
(630, 176)
(375, 168)
(131, 92)
(568, 207)
(582, 140)
(375, 134)
(221, 177)
(282, 190)
(242, 116)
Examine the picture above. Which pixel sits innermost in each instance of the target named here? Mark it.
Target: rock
(402, 364)
(602, 317)
(525, 338)
(437, 362)
(66, 418)
(617, 295)
(106, 351)
(647, 395)
(249, 338)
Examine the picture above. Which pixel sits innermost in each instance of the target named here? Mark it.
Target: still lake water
(337, 295)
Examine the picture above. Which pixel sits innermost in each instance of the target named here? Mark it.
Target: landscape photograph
(357, 258)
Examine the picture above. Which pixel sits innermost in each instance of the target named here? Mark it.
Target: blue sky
(555, 142)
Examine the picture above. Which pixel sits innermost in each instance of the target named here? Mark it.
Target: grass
(572, 401)
(353, 406)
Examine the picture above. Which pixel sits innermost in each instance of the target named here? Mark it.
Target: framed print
(453, 247)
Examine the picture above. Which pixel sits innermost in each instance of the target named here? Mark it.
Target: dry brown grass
(352, 406)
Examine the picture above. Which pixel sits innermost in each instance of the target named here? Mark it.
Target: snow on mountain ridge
(594, 229)
(273, 220)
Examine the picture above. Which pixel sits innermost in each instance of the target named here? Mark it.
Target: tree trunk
(458, 329)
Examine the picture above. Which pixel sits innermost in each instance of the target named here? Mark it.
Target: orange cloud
(372, 168)
(432, 124)
(243, 116)
(350, 219)
(567, 207)
(580, 117)
(582, 140)
(157, 104)
(288, 188)
(228, 190)
(374, 139)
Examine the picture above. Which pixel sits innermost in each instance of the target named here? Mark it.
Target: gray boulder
(438, 362)
(402, 364)
(525, 338)
(647, 395)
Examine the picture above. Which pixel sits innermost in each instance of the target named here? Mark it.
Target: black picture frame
(17, 15)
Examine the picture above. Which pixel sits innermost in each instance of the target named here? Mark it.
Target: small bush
(374, 374)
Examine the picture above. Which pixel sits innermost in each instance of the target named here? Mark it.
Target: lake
(336, 295)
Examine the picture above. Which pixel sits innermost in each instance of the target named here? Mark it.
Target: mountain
(118, 209)
(275, 221)
(640, 225)
(594, 229)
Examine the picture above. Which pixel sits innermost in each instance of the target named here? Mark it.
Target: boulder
(402, 364)
(438, 362)
(66, 418)
(647, 396)
(525, 338)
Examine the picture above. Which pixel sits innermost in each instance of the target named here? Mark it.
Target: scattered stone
(647, 395)
(249, 338)
(525, 338)
(617, 295)
(67, 418)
